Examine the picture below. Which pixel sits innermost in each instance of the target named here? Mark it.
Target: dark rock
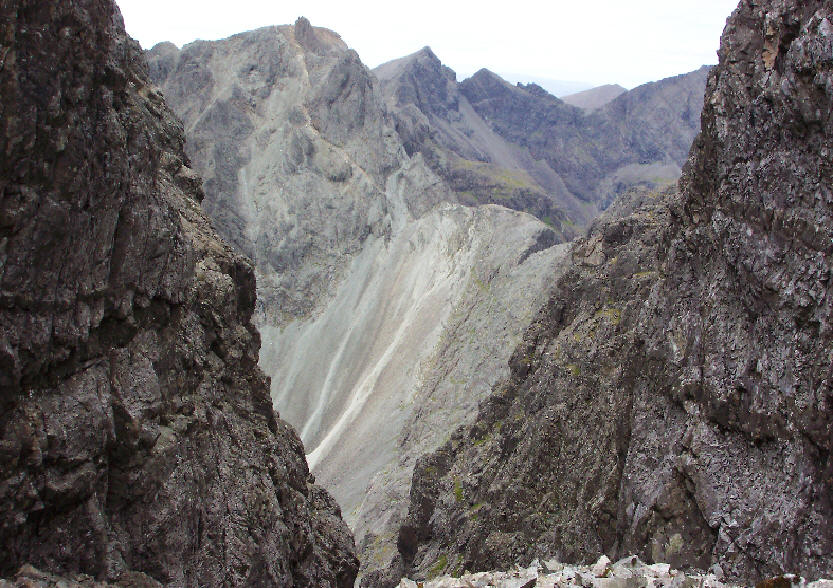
(673, 397)
(137, 439)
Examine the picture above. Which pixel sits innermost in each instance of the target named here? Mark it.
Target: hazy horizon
(562, 44)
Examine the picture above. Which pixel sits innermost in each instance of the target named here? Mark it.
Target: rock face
(673, 398)
(291, 141)
(523, 148)
(137, 438)
(387, 310)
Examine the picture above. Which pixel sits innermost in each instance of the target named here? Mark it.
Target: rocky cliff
(673, 397)
(138, 443)
(387, 310)
(523, 148)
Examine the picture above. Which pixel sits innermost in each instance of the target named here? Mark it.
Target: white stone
(658, 570)
(600, 566)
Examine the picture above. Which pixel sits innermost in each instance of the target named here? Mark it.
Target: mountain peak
(484, 73)
(594, 97)
(316, 39)
(425, 58)
(427, 52)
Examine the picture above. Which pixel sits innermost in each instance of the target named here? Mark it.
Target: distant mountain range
(523, 148)
(594, 98)
(553, 86)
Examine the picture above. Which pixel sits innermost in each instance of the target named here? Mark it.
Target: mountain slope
(594, 98)
(672, 399)
(137, 439)
(367, 267)
(523, 148)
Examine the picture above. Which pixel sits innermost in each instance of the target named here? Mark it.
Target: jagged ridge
(523, 148)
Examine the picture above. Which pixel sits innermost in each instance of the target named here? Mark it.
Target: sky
(588, 43)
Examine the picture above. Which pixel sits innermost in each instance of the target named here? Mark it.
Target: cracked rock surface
(673, 397)
(138, 444)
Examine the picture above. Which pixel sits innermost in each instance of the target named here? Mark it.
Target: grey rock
(520, 147)
(138, 444)
(594, 98)
(283, 125)
(387, 310)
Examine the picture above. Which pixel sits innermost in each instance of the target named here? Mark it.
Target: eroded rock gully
(386, 309)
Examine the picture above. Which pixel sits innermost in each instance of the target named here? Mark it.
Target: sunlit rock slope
(380, 298)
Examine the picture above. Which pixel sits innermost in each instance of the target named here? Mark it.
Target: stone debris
(629, 572)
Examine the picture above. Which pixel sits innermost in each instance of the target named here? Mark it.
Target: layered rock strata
(138, 443)
(673, 397)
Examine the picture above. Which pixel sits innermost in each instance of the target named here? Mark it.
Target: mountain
(386, 308)
(594, 98)
(553, 86)
(672, 398)
(523, 148)
(138, 444)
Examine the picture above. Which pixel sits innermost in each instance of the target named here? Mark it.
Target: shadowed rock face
(137, 437)
(523, 148)
(673, 398)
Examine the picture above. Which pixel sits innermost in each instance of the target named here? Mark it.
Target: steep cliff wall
(673, 398)
(137, 436)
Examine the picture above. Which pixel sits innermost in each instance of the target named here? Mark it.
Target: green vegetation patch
(614, 315)
(437, 568)
(458, 490)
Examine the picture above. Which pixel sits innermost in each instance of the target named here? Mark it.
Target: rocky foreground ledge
(629, 572)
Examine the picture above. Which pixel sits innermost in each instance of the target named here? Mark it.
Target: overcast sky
(599, 42)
